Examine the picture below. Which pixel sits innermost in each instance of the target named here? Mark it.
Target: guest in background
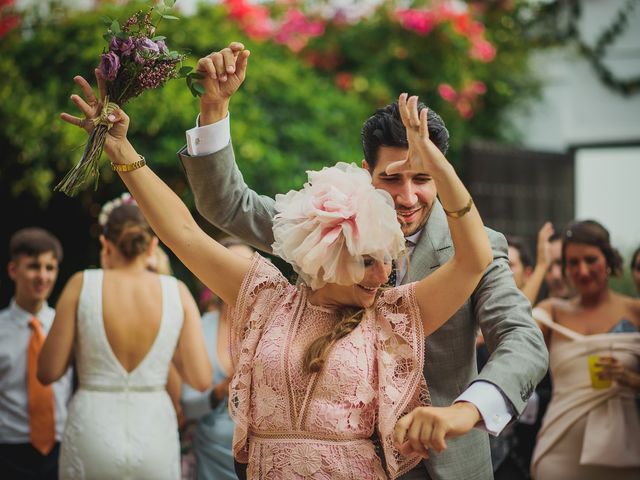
(213, 436)
(529, 277)
(33, 415)
(555, 281)
(591, 429)
(511, 452)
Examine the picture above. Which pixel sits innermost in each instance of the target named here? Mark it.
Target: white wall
(577, 110)
(608, 190)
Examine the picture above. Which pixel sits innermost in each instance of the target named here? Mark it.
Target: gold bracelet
(460, 213)
(129, 167)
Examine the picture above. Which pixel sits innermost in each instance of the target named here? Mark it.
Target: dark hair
(385, 129)
(555, 236)
(34, 241)
(520, 246)
(633, 257)
(590, 232)
(128, 230)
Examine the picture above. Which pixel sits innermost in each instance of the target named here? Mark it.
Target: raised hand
(423, 155)
(223, 71)
(91, 106)
(542, 248)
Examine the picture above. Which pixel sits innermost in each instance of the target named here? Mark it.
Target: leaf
(107, 20)
(122, 35)
(159, 37)
(170, 3)
(170, 17)
(108, 37)
(184, 71)
(199, 88)
(197, 75)
(115, 27)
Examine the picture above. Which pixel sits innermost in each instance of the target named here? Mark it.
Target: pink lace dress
(291, 424)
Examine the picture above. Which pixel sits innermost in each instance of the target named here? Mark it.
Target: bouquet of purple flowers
(135, 60)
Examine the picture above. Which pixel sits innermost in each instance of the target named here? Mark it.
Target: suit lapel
(433, 248)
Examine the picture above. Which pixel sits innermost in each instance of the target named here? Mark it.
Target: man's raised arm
(221, 195)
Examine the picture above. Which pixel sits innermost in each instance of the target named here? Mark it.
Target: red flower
(8, 23)
(344, 80)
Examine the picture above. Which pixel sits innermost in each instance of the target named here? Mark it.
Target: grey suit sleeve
(519, 357)
(224, 199)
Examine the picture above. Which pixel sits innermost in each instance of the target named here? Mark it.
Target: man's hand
(427, 427)
(224, 72)
(423, 155)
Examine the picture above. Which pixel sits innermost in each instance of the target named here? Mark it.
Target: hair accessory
(460, 213)
(128, 167)
(107, 208)
(325, 229)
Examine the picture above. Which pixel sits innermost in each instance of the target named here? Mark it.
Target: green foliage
(288, 117)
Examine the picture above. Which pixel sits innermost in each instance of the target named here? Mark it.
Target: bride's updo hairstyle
(124, 225)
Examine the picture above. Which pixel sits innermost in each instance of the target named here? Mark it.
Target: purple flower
(148, 45)
(162, 47)
(109, 65)
(125, 47)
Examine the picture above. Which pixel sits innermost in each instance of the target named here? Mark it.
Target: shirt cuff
(208, 139)
(491, 404)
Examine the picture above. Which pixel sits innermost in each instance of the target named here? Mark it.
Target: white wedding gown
(121, 425)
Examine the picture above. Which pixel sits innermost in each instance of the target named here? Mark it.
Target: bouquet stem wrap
(89, 164)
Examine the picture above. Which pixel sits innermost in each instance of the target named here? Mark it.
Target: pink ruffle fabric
(325, 229)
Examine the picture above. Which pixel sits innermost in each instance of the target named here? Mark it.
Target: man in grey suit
(518, 355)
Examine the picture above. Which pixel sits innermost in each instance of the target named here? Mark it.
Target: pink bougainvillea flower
(465, 100)
(482, 50)
(447, 92)
(253, 19)
(296, 30)
(420, 21)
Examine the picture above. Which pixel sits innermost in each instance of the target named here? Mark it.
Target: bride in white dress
(123, 326)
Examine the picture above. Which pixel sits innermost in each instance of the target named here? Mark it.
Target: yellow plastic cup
(594, 370)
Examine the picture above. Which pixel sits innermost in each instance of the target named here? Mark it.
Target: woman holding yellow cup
(591, 429)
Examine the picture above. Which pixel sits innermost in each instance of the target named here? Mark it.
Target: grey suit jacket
(519, 357)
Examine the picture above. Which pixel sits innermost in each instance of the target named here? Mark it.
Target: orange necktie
(41, 402)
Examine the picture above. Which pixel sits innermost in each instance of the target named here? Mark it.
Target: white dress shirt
(488, 399)
(14, 339)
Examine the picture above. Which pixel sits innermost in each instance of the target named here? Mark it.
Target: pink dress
(291, 424)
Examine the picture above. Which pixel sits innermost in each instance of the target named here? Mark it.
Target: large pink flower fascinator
(325, 229)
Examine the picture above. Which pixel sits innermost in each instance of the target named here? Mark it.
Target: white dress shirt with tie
(14, 339)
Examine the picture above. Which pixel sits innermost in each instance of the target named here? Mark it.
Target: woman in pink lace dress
(322, 366)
